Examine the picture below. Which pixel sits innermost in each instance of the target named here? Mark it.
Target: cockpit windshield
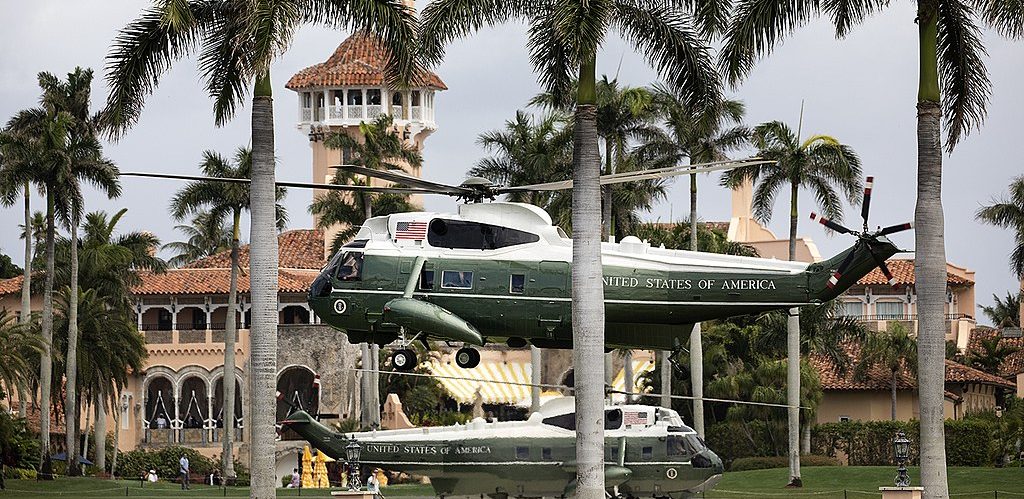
(345, 265)
(684, 445)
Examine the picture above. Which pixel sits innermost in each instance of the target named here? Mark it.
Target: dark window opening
(164, 320)
(396, 99)
(457, 279)
(545, 453)
(415, 97)
(373, 96)
(426, 280)
(355, 97)
(647, 453)
(517, 284)
(460, 234)
(198, 319)
(351, 268)
(613, 454)
(522, 453)
(613, 419)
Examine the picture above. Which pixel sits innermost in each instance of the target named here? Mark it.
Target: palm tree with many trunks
(564, 37)
(953, 81)
(831, 170)
(220, 201)
(236, 42)
(697, 136)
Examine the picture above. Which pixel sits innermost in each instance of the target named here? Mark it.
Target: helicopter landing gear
(403, 359)
(467, 358)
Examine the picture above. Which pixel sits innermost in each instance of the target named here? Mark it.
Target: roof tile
(903, 271)
(359, 60)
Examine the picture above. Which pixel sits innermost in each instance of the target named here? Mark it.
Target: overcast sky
(862, 90)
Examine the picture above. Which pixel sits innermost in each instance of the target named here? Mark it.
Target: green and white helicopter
(500, 272)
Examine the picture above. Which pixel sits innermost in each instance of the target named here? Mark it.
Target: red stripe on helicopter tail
(832, 281)
(411, 230)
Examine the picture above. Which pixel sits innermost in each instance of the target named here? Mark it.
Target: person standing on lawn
(183, 469)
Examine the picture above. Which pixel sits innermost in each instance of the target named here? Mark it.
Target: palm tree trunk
(588, 291)
(793, 358)
(535, 371)
(263, 267)
(46, 358)
(71, 374)
(85, 434)
(893, 415)
(365, 416)
(930, 261)
(375, 385)
(228, 378)
(100, 433)
(606, 195)
(627, 371)
(26, 292)
(665, 372)
(696, 346)
(116, 407)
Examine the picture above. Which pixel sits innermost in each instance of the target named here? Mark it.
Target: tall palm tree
(698, 136)
(822, 164)
(83, 160)
(236, 42)
(1004, 313)
(206, 236)
(18, 344)
(1009, 213)
(377, 147)
(564, 37)
(950, 45)
(893, 350)
(218, 201)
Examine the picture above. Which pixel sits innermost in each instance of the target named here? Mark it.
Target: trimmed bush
(969, 442)
(136, 463)
(763, 463)
(756, 438)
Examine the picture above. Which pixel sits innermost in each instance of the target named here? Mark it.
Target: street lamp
(352, 456)
(901, 447)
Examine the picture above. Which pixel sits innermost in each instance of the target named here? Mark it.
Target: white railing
(337, 112)
(416, 114)
(355, 112)
(307, 114)
(373, 111)
(396, 112)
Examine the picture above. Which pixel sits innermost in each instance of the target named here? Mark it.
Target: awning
(640, 366)
(495, 380)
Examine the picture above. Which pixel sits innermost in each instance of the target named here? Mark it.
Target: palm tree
(893, 350)
(220, 200)
(378, 147)
(335, 208)
(823, 165)
(1009, 213)
(19, 343)
(1004, 313)
(698, 136)
(950, 44)
(84, 161)
(990, 354)
(206, 236)
(236, 42)
(564, 37)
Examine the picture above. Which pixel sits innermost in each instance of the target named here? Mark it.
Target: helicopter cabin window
(351, 268)
(647, 453)
(461, 234)
(427, 280)
(612, 420)
(517, 283)
(522, 453)
(613, 454)
(545, 453)
(456, 279)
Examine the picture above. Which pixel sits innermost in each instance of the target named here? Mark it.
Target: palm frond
(443, 21)
(756, 27)
(847, 13)
(1005, 16)
(965, 83)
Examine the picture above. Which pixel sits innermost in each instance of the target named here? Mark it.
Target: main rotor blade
(892, 229)
(300, 185)
(832, 281)
(866, 204)
(883, 267)
(830, 224)
(633, 176)
(400, 177)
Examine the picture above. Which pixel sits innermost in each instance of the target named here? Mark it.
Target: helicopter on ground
(500, 272)
(649, 452)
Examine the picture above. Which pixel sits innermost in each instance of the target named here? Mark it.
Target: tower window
(396, 99)
(355, 97)
(373, 96)
(415, 97)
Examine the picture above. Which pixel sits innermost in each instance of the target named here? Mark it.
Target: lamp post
(901, 448)
(352, 456)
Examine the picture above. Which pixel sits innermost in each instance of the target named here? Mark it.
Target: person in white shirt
(183, 469)
(152, 476)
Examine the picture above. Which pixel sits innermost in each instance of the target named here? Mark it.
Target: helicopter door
(552, 281)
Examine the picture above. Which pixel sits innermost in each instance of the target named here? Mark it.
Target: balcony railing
(908, 317)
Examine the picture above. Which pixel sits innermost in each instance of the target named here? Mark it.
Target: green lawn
(91, 487)
(820, 482)
(863, 482)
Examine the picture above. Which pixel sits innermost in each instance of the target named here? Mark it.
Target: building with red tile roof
(1010, 339)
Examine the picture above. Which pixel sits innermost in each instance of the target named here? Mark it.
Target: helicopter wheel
(467, 358)
(403, 359)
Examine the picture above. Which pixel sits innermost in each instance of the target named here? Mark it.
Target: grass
(93, 487)
(858, 482)
(863, 482)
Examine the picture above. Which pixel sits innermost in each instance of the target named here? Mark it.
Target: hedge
(969, 442)
(767, 462)
(134, 464)
(748, 439)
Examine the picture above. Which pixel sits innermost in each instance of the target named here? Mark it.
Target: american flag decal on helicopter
(416, 231)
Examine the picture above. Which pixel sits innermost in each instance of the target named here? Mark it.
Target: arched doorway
(159, 410)
(193, 409)
(294, 314)
(218, 409)
(295, 384)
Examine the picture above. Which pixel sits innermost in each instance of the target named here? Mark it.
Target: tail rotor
(864, 237)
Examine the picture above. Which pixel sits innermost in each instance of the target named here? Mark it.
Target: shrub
(762, 463)
(969, 442)
(165, 461)
(732, 440)
(18, 447)
(19, 474)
